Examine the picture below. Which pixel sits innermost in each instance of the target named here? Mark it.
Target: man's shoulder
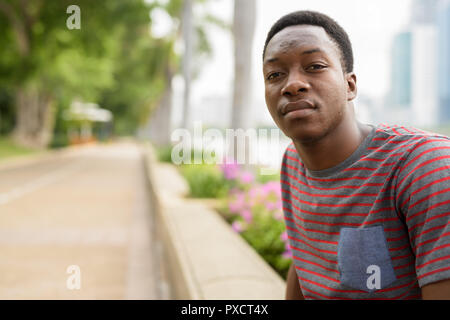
(418, 150)
(407, 133)
(408, 138)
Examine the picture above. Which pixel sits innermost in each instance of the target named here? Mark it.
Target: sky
(370, 25)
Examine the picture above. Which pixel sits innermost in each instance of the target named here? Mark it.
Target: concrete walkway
(87, 208)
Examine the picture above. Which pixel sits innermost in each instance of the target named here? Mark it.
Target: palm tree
(196, 43)
(243, 32)
(187, 31)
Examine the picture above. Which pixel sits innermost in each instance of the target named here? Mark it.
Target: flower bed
(254, 209)
(250, 203)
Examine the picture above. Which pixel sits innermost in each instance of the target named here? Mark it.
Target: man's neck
(335, 147)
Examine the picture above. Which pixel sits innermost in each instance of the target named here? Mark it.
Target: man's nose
(295, 84)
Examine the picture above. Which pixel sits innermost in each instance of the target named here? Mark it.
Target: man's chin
(304, 135)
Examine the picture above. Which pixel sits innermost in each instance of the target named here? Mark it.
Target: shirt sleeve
(423, 199)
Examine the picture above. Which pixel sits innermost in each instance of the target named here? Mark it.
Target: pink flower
(271, 206)
(247, 215)
(253, 192)
(287, 254)
(237, 227)
(271, 187)
(246, 178)
(238, 203)
(284, 236)
(279, 204)
(234, 191)
(234, 207)
(230, 169)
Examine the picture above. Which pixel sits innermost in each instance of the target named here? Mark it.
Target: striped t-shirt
(376, 226)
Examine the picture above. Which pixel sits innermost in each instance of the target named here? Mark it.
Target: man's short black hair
(331, 27)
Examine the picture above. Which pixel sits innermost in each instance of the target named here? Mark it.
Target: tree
(159, 124)
(187, 31)
(198, 50)
(243, 32)
(45, 65)
(42, 59)
(159, 120)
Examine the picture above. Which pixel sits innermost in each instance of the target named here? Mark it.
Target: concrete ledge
(204, 257)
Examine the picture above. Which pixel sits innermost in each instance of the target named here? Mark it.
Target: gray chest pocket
(364, 262)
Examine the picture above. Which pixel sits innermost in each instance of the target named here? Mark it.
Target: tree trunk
(34, 118)
(34, 114)
(187, 31)
(160, 119)
(243, 31)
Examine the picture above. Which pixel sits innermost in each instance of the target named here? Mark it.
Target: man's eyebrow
(310, 51)
(271, 60)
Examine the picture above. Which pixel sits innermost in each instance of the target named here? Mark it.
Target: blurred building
(443, 22)
(396, 107)
(424, 62)
(87, 122)
(417, 55)
(400, 95)
(424, 11)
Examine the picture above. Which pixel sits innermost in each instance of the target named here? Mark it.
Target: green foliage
(205, 181)
(264, 178)
(174, 8)
(111, 60)
(164, 153)
(264, 235)
(75, 61)
(7, 112)
(254, 209)
(59, 140)
(140, 81)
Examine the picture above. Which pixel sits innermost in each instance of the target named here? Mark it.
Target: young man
(366, 207)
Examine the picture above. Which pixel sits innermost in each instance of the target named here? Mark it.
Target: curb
(204, 258)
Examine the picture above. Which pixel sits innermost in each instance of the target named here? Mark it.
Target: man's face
(306, 89)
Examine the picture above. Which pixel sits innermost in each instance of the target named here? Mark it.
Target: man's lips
(296, 105)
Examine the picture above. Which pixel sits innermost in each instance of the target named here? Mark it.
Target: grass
(9, 149)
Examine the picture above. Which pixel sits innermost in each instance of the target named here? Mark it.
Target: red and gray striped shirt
(376, 226)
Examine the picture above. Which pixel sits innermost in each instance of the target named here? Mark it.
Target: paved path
(86, 208)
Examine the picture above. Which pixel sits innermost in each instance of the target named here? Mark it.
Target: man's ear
(352, 90)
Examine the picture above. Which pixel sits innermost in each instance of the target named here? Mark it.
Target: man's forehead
(299, 36)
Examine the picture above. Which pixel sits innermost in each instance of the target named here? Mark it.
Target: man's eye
(316, 67)
(273, 75)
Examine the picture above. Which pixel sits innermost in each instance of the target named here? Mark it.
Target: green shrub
(264, 235)
(253, 209)
(256, 214)
(205, 181)
(59, 140)
(164, 153)
(264, 178)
